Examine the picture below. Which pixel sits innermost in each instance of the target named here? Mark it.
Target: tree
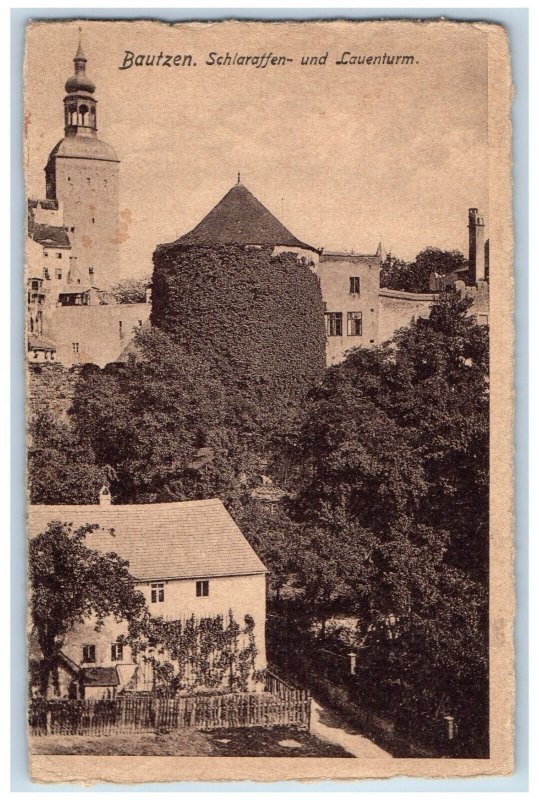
(414, 276)
(391, 470)
(131, 290)
(150, 417)
(72, 583)
(61, 467)
(274, 537)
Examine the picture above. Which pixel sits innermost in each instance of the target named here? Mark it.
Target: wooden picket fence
(132, 713)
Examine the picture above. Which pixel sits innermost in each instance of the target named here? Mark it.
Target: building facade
(73, 234)
(349, 283)
(188, 559)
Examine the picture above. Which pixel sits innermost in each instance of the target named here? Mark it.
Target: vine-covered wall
(257, 319)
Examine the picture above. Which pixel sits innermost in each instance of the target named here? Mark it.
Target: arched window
(83, 110)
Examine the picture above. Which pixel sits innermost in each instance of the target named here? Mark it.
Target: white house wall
(97, 331)
(243, 594)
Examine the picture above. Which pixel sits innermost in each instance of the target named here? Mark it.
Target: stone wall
(399, 309)
(50, 387)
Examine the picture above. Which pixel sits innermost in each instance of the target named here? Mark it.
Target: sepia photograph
(268, 342)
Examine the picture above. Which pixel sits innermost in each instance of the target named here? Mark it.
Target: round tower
(82, 173)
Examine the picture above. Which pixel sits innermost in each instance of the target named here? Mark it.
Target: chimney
(476, 228)
(104, 496)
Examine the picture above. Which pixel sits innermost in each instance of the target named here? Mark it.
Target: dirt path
(328, 726)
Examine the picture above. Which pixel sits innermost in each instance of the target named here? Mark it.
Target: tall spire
(79, 55)
(80, 105)
(80, 82)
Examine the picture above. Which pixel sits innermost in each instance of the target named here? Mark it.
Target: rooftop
(239, 218)
(191, 539)
(50, 235)
(88, 147)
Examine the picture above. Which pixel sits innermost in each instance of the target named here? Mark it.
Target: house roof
(88, 147)
(99, 676)
(239, 218)
(192, 539)
(50, 205)
(333, 255)
(50, 235)
(40, 343)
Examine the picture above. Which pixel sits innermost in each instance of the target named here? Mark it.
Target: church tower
(82, 174)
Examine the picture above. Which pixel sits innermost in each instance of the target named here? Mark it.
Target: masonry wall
(50, 387)
(480, 296)
(88, 189)
(399, 309)
(334, 272)
(95, 334)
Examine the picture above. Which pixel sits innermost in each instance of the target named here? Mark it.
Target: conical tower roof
(239, 218)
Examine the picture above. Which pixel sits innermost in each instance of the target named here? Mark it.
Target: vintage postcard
(269, 400)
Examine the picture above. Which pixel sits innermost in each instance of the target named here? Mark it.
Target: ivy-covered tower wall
(257, 318)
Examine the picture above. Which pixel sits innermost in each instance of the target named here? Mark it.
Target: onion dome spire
(80, 82)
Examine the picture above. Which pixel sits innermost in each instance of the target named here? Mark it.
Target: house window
(140, 323)
(90, 271)
(355, 323)
(58, 273)
(334, 323)
(46, 254)
(116, 651)
(75, 346)
(88, 653)
(203, 588)
(58, 255)
(72, 230)
(157, 592)
(354, 285)
(120, 331)
(46, 274)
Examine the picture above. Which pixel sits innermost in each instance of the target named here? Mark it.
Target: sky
(344, 155)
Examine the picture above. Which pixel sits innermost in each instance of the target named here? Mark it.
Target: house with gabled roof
(187, 558)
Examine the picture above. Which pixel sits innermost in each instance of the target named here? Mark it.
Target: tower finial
(239, 178)
(79, 55)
